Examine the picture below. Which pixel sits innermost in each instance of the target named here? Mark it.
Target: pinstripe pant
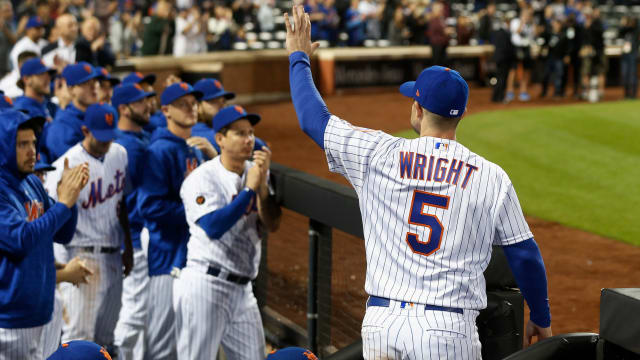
(211, 312)
(415, 333)
(93, 308)
(161, 339)
(53, 330)
(130, 330)
(23, 343)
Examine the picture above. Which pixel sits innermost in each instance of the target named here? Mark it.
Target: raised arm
(312, 112)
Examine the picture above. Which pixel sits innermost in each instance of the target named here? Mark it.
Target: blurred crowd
(569, 36)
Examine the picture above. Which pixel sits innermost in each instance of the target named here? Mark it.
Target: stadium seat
(265, 36)
(240, 46)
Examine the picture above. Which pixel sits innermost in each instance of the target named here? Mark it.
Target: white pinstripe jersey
(98, 223)
(211, 187)
(431, 209)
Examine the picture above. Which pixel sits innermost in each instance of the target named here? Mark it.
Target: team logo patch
(108, 118)
(200, 200)
(8, 100)
(137, 87)
(239, 109)
(87, 68)
(442, 146)
(217, 84)
(184, 86)
(454, 112)
(417, 92)
(104, 72)
(139, 74)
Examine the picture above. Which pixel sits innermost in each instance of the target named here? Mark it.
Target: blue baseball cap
(79, 73)
(137, 78)
(440, 90)
(128, 93)
(33, 22)
(5, 102)
(212, 89)
(101, 120)
(292, 353)
(230, 114)
(107, 76)
(35, 66)
(80, 350)
(175, 91)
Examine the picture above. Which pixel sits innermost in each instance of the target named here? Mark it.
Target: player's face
(26, 150)
(238, 141)
(85, 93)
(209, 108)
(98, 148)
(104, 91)
(39, 83)
(152, 100)
(140, 111)
(184, 111)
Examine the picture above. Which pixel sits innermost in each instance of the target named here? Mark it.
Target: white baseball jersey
(211, 187)
(431, 209)
(98, 222)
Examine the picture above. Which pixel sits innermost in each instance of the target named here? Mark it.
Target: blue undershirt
(218, 222)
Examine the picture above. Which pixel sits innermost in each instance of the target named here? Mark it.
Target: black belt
(104, 250)
(384, 302)
(242, 280)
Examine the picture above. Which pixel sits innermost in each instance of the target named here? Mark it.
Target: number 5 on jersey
(419, 218)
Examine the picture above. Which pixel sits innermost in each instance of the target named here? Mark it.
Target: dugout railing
(329, 206)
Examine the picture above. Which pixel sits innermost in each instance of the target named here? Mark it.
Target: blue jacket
(201, 129)
(64, 132)
(136, 145)
(159, 203)
(29, 223)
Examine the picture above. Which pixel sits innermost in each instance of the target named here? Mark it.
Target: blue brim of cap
(104, 135)
(149, 79)
(406, 89)
(43, 167)
(253, 118)
(114, 81)
(227, 95)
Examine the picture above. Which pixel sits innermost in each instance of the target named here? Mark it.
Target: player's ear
(219, 138)
(85, 131)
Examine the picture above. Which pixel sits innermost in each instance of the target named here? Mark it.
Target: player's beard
(139, 119)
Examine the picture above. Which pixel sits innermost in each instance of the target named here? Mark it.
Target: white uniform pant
(92, 309)
(412, 332)
(53, 330)
(161, 337)
(23, 343)
(211, 311)
(130, 330)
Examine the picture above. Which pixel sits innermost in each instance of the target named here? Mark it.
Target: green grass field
(578, 165)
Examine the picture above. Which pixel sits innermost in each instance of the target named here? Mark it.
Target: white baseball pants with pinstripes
(161, 335)
(23, 343)
(92, 309)
(53, 330)
(412, 332)
(211, 312)
(130, 331)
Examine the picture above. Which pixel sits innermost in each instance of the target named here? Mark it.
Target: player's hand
(299, 36)
(262, 158)
(254, 176)
(75, 272)
(532, 330)
(203, 145)
(127, 260)
(73, 180)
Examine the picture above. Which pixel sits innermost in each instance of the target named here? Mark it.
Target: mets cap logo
(87, 68)
(217, 84)
(239, 109)
(139, 74)
(184, 86)
(200, 200)
(8, 99)
(104, 72)
(108, 118)
(105, 353)
(137, 86)
(417, 92)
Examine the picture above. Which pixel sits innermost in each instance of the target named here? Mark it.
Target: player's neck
(125, 124)
(29, 92)
(179, 131)
(431, 131)
(79, 106)
(231, 164)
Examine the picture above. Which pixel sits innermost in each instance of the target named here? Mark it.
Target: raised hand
(299, 36)
(203, 145)
(73, 180)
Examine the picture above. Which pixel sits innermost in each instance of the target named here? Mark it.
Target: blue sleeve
(18, 236)
(527, 266)
(312, 112)
(155, 203)
(218, 222)
(65, 233)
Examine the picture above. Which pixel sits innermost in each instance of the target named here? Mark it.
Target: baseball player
(35, 80)
(5, 102)
(102, 228)
(134, 107)
(106, 83)
(431, 209)
(29, 223)
(169, 160)
(66, 130)
(157, 118)
(226, 202)
(213, 99)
